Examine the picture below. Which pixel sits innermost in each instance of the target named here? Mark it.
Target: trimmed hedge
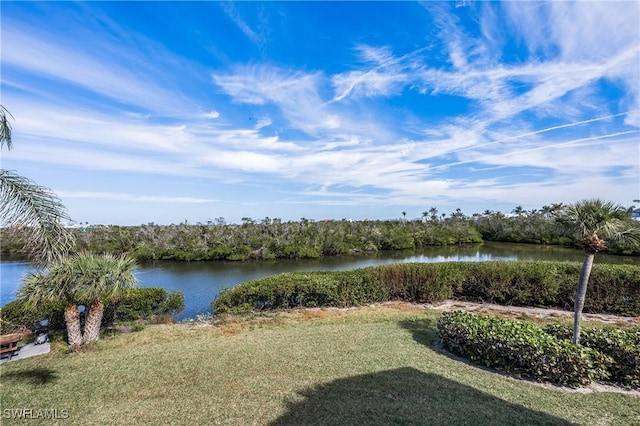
(520, 348)
(337, 288)
(613, 289)
(622, 345)
(140, 302)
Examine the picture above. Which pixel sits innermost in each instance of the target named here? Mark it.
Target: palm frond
(605, 219)
(36, 288)
(38, 211)
(5, 128)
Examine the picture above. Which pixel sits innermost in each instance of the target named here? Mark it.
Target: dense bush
(138, 303)
(336, 288)
(18, 316)
(144, 302)
(520, 348)
(612, 289)
(622, 345)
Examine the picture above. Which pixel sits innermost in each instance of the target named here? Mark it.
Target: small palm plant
(85, 279)
(595, 223)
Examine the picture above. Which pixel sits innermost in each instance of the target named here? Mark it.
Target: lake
(202, 281)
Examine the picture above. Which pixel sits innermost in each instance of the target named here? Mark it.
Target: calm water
(202, 281)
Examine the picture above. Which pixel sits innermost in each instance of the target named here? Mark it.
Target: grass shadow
(406, 396)
(36, 376)
(424, 331)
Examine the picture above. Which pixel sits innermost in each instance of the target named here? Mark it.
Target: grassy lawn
(366, 366)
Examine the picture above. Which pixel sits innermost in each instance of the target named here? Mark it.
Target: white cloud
(131, 197)
(211, 114)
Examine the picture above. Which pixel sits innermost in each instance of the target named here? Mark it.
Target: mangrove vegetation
(269, 239)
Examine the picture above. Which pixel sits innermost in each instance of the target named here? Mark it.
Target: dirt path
(530, 313)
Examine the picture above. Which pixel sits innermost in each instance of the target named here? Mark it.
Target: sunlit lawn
(361, 367)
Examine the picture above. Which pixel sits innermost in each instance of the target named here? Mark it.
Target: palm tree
(594, 222)
(35, 209)
(87, 279)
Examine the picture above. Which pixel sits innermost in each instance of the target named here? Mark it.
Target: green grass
(363, 366)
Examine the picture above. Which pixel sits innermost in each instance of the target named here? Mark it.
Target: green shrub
(17, 315)
(615, 288)
(144, 302)
(410, 282)
(622, 345)
(512, 283)
(416, 282)
(280, 291)
(520, 348)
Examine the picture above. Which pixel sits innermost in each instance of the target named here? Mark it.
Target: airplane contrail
(556, 145)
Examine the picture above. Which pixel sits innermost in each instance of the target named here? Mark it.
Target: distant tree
(518, 211)
(36, 209)
(594, 222)
(433, 213)
(458, 214)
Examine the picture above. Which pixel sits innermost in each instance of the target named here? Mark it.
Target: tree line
(269, 239)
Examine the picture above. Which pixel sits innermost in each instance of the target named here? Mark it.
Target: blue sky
(168, 111)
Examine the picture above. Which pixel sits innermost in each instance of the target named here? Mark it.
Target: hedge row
(140, 302)
(612, 289)
(521, 348)
(338, 288)
(622, 345)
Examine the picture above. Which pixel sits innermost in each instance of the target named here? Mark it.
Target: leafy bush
(17, 316)
(520, 348)
(613, 288)
(334, 288)
(280, 291)
(512, 283)
(622, 345)
(144, 302)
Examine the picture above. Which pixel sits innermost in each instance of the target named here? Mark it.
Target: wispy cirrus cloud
(113, 196)
(234, 14)
(368, 130)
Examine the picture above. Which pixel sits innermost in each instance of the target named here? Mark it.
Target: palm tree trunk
(72, 318)
(581, 293)
(94, 321)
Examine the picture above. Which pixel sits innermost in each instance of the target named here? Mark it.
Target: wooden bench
(9, 344)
